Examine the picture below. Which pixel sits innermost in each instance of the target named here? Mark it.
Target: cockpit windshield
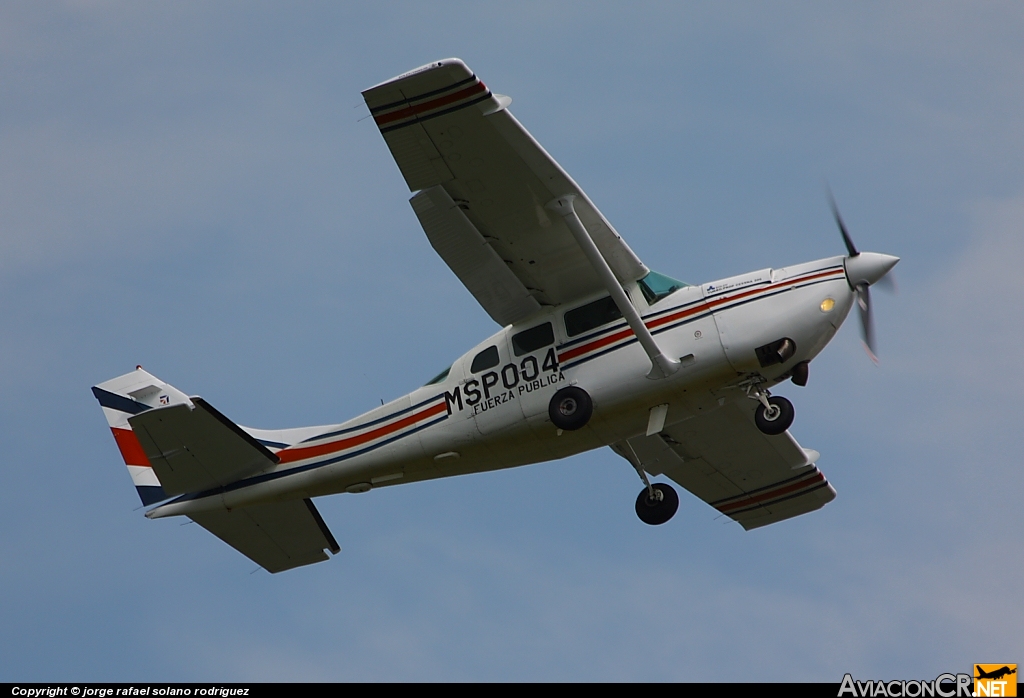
(656, 286)
(440, 376)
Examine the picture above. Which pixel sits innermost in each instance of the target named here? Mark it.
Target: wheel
(653, 512)
(777, 420)
(570, 408)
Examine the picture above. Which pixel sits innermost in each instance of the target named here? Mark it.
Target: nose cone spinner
(868, 267)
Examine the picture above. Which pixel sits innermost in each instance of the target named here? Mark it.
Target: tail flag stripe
(131, 449)
(118, 402)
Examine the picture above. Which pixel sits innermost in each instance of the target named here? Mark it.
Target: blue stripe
(809, 475)
(376, 421)
(425, 95)
(303, 468)
(772, 502)
(620, 324)
(151, 494)
(666, 328)
(419, 119)
(118, 402)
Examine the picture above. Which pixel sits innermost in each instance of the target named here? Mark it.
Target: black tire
(570, 408)
(779, 422)
(655, 513)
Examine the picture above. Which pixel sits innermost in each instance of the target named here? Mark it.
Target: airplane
(595, 350)
(995, 674)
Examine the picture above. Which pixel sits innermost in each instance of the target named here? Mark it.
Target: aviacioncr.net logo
(944, 686)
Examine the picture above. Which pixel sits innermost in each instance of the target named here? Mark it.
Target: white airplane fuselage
(714, 330)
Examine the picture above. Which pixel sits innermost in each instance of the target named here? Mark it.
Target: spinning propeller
(862, 270)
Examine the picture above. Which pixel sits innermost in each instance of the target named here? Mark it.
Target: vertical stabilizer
(124, 397)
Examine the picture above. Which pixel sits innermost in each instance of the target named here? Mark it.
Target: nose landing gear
(774, 415)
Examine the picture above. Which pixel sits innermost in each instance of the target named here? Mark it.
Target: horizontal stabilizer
(277, 536)
(193, 447)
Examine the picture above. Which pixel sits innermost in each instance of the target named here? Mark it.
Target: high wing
(277, 536)
(193, 447)
(723, 458)
(483, 184)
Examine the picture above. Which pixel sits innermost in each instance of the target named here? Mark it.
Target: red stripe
(290, 455)
(408, 111)
(675, 316)
(604, 341)
(707, 305)
(772, 494)
(131, 449)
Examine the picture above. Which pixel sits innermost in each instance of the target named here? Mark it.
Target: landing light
(827, 305)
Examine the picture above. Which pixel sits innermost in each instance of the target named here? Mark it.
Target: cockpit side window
(486, 359)
(591, 315)
(533, 339)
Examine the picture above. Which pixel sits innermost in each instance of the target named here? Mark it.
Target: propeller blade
(867, 321)
(850, 247)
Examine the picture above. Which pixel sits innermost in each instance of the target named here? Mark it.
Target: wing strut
(661, 365)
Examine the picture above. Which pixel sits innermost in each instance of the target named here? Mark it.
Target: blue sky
(194, 188)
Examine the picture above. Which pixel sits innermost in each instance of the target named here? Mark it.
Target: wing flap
(194, 447)
(467, 253)
(277, 536)
(724, 459)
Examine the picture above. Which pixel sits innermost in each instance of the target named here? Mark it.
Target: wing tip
(426, 68)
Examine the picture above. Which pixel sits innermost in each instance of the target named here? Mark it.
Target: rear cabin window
(533, 339)
(486, 359)
(591, 315)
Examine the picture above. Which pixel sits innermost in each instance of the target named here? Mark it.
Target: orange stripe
(131, 449)
(408, 111)
(290, 455)
(726, 508)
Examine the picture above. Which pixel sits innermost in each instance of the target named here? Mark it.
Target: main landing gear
(657, 503)
(570, 408)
